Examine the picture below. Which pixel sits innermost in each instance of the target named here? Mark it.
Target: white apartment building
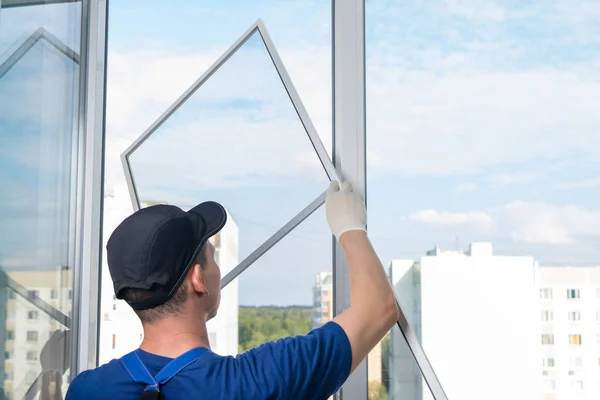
(121, 330)
(570, 332)
(322, 299)
(28, 328)
(477, 317)
(323, 312)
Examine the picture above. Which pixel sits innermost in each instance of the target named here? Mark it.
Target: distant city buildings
(121, 330)
(498, 327)
(27, 327)
(570, 332)
(323, 312)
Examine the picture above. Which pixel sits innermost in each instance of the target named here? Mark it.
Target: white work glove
(344, 209)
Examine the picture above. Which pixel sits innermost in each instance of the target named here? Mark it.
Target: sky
(482, 125)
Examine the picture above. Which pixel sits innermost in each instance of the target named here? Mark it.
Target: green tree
(258, 325)
(377, 391)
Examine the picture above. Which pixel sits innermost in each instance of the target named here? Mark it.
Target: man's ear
(197, 280)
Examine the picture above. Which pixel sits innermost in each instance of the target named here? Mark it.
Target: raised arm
(373, 310)
(315, 365)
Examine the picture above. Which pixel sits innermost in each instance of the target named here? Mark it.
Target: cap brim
(208, 219)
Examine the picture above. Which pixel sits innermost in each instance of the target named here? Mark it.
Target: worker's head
(163, 264)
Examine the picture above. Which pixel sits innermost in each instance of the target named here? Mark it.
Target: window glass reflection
(39, 78)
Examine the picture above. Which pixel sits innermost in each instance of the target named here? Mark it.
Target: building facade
(570, 332)
(528, 331)
(477, 317)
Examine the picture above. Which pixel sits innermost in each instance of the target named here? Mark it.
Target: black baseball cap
(154, 248)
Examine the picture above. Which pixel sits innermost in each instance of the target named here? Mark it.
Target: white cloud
(466, 187)
(267, 141)
(508, 179)
(524, 222)
(481, 9)
(478, 220)
(537, 222)
(478, 120)
(584, 183)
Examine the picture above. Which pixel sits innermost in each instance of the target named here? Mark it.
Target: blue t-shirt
(311, 367)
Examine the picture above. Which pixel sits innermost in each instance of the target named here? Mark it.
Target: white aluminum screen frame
(257, 27)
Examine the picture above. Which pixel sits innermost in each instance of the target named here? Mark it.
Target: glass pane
(393, 373)
(240, 129)
(237, 140)
(288, 291)
(483, 163)
(39, 77)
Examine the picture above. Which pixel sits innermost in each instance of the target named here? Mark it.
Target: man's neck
(171, 337)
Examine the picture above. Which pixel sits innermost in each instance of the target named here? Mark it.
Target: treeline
(258, 325)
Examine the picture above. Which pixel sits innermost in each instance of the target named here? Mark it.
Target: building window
(597, 316)
(573, 294)
(34, 294)
(548, 338)
(11, 295)
(114, 307)
(575, 339)
(32, 336)
(549, 385)
(7, 355)
(546, 293)
(577, 384)
(576, 362)
(8, 376)
(598, 293)
(10, 335)
(547, 315)
(32, 315)
(548, 362)
(574, 316)
(31, 355)
(53, 294)
(114, 341)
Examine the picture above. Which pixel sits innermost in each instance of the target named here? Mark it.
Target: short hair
(173, 306)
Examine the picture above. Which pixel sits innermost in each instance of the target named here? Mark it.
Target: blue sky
(482, 125)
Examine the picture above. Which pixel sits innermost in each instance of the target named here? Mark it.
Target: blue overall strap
(140, 373)
(173, 368)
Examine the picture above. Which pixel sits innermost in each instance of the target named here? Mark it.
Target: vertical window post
(349, 144)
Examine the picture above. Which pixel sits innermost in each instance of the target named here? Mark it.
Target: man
(162, 264)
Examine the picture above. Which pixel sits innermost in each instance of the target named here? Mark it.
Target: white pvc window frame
(349, 144)
(89, 186)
